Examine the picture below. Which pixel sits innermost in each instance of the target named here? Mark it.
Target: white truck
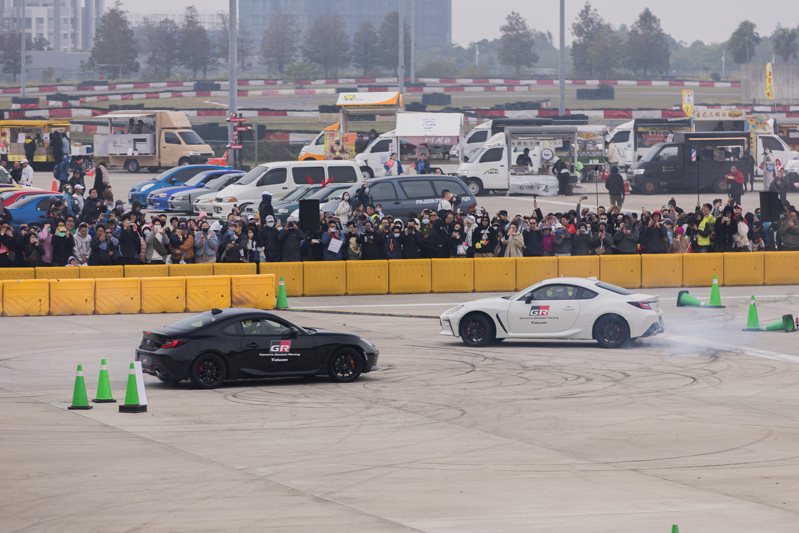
(435, 133)
(634, 138)
(494, 167)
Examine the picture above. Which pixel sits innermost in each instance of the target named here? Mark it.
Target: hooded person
(268, 237)
(265, 207)
(83, 244)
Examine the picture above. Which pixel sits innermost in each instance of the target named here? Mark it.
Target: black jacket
(289, 242)
(129, 243)
(62, 248)
(372, 247)
(412, 244)
(264, 210)
(615, 184)
(268, 238)
(532, 243)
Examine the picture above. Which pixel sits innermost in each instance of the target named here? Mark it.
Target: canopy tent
(430, 128)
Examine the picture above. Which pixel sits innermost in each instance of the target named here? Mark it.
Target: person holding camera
(412, 242)
(289, 240)
(654, 238)
(484, 238)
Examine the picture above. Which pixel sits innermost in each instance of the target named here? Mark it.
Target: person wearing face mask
(412, 242)
(289, 239)
(129, 242)
(344, 209)
(393, 244)
(62, 243)
(206, 244)
(32, 251)
(103, 247)
(268, 236)
(373, 243)
(332, 243)
(157, 245)
(581, 241)
(513, 242)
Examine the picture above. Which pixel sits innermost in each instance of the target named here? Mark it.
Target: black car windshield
(613, 288)
(193, 322)
(191, 137)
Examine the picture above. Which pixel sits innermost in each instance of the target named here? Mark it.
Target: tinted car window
(171, 138)
(492, 156)
(253, 175)
(182, 175)
(342, 174)
(382, 145)
(556, 292)
(262, 326)
(769, 142)
(193, 322)
(418, 189)
(453, 186)
(620, 137)
(478, 136)
(276, 176)
(383, 191)
(613, 288)
(301, 175)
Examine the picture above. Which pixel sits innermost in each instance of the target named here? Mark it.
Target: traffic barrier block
(235, 269)
(163, 295)
(146, 271)
(1, 298)
(578, 266)
(452, 275)
(96, 272)
(781, 268)
(367, 277)
(207, 292)
(196, 269)
(661, 270)
(255, 291)
(57, 273)
(496, 274)
(698, 269)
(117, 296)
(324, 278)
(409, 276)
(291, 272)
(531, 270)
(26, 297)
(622, 270)
(72, 296)
(744, 268)
(17, 273)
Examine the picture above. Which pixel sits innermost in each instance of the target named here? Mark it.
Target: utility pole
(22, 63)
(724, 64)
(476, 54)
(562, 59)
(233, 85)
(413, 40)
(401, 64)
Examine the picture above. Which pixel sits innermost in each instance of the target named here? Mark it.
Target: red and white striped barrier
(110, 87)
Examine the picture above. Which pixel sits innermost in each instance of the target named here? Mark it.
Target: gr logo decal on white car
(539, 311)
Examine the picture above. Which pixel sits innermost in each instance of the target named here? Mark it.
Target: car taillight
(641, 305)
(171, 343)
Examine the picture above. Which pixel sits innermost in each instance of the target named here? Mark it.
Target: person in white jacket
(344, 209)
(83, 244)
(26, 179)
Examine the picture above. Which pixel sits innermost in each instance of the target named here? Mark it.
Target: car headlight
(453, 310)
(145, 187)
(639, 171)
(179, 197)
(282, 210)
(160, 195)
(205, 201)
(230, 199)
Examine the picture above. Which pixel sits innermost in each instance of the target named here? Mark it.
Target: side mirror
(528, 300)
(293, 333)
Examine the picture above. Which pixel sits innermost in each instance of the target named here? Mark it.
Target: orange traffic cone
(54, 185)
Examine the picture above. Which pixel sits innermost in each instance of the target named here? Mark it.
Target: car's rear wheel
(132, 166)
(650, 186)
(345, 366)
(183, 161)
(475, 186)
(612, 331)
(476, 330)
(208, 371)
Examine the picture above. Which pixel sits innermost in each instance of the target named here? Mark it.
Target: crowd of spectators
(91, 231)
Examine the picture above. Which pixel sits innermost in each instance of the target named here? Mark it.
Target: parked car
(183, 201)
(11, 196)
(159, 199)
(168, 178)
(31, 210)
(282, 176)
(401, 195)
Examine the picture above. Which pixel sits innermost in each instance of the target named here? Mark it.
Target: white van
(280, 177)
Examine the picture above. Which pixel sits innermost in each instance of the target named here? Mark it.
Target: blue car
(168, 178)
(158, 199)
(31, 210)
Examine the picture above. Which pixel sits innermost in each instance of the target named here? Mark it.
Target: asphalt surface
(697, 427)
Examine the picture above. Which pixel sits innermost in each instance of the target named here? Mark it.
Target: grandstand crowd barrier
(179, 288)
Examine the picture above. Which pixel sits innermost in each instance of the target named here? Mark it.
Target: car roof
(326, 162)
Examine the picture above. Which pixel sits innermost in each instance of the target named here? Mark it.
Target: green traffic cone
(79, 398)
(675, 528)
(104, 386)
(715, 294)
(785, 323)
(684, 299)
(282, 301)
(752, 321)
(132, 404)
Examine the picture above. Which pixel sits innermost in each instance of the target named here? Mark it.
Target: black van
(692, 162)
(401, 195)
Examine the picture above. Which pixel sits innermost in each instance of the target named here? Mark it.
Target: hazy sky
(686, 20)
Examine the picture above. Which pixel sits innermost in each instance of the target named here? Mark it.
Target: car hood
(176, 188)
(138, 186)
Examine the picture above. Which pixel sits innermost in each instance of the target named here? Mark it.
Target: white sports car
(558, 308)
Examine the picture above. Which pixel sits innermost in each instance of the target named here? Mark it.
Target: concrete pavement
(697, 427)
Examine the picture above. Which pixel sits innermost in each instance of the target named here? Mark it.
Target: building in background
(66, 24)
(433, 17)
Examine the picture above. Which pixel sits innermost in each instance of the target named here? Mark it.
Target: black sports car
(228, 344)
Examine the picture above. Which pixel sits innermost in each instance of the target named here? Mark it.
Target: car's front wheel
(611, 331)
(208, 371)
(476, 330)
(345, 366)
